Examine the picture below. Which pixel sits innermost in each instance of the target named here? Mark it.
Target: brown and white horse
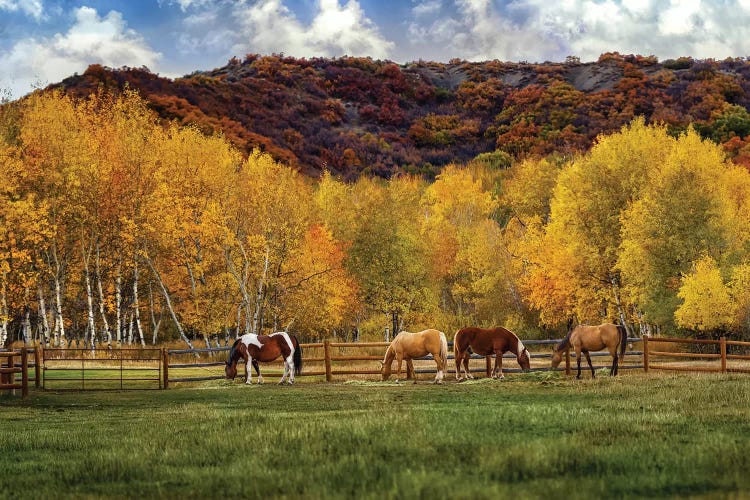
(488, 341)
(408, 345)
(253, 348)
(586, 338)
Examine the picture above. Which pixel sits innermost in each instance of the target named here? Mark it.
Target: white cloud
(92, 39)
(541, 30)
(678, 19)
(268, 26)
(32, 8)
(428, 7)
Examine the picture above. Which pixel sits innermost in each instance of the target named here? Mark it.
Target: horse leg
(286, 372)
(439, 373)
(457, 355)
(410, 370)
(290, 364)
(257, 371)
(613, 370)
(399, 359)
(248, 371)
(588, 358)
(467, 356)
(578, 362)
(499, 364)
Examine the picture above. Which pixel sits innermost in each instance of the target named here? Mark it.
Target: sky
(45, 41)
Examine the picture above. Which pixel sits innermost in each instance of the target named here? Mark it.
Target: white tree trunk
(3, 312)
(27, 326)
(136, 305)
(155, 324)
(130, 327)
(118, 305)
(168, 301)
(105, 323)
(242, 284)
(59, 326)
(43, 314)
(259, 296)
(89, 296)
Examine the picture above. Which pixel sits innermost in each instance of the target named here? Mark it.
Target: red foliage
(355, 114)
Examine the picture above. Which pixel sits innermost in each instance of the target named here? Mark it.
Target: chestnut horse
(408, 345)
(488, 341)
(253, 348)
(586, 338)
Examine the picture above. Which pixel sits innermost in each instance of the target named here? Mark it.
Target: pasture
(529, 436)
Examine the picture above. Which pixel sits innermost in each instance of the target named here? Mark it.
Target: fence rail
(9, 370)
(151, 368)
(104, 369)
(723, 357)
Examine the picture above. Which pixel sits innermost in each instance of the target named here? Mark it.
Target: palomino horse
(585, 338)
(407, 346)
(253, 348)
(488, 341)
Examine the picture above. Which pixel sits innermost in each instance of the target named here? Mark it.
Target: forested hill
(353, 115)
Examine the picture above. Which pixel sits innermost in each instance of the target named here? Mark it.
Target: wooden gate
(103, 369)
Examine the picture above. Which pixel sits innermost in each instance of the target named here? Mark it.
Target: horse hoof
(439, 382)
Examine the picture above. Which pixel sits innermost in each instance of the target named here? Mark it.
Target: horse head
(557, 357)
(229, 370)
(385, 370)
(524, 359)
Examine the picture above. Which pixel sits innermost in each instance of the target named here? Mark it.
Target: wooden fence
(9, 368)
(102, 369)
(80, 369)
(713, 362)
(333, 359)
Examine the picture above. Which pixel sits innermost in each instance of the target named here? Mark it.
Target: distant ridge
(357, 115)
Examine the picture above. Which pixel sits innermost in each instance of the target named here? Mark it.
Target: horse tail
(623, 339)
(444, 352)
(297, 355)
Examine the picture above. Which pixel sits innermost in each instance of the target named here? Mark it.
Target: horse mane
(232, 351)
(564, 342)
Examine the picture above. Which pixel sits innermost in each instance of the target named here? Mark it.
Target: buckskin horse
(488, 341)
(586, 338)
(408, 345)
(264, 348)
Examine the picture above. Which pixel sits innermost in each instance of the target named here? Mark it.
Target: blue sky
(43, 41)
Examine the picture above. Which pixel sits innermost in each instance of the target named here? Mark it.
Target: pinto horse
(488, 341)
(408, 345)
(586, 338)
(253, 348)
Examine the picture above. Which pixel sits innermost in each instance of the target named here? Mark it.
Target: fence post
(44, 382)
(723, 346)
(37, 368)
(12, 375)
(24, 372)
(645, 353)
(165, 363)
(567, 360)
(327, 350)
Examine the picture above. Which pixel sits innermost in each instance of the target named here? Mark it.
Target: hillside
(354, 115)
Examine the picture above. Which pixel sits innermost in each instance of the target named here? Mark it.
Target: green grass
(529, 436)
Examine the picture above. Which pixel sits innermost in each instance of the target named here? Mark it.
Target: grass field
(536, 435)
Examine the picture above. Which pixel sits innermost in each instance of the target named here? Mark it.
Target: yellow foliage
(707, 304)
